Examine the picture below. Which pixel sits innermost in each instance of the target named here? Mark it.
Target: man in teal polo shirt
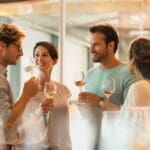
(104, 45)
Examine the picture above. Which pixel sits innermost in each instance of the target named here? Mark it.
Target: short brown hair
(109, 33)
(9, 33)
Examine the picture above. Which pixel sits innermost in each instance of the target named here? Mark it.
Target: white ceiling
(125, 15)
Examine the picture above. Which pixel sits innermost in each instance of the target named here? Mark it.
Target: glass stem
(80, 89)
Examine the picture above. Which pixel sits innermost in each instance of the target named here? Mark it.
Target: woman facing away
(139, 58)
(58, 136)
(136, 109)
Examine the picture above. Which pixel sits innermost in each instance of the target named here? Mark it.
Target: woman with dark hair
(58, 137)
(139, 58)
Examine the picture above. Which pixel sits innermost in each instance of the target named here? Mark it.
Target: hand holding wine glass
(108, 87)
(49, 92)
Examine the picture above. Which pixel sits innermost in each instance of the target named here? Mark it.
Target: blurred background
(65, 23)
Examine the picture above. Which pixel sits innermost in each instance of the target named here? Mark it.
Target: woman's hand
(47, 105)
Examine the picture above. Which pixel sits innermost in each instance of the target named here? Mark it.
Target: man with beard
(104, 45)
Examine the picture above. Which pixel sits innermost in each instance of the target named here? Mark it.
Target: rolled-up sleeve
(6, 100)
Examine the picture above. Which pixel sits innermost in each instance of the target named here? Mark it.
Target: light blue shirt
(122, 76)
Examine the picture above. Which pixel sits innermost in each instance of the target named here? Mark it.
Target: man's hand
(31, 87)
(89, 98)
(95, 100)
(108, 105)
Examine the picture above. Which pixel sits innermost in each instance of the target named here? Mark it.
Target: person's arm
(127, 80)
(90, 98)
(108, 105)
(94, 100)
(31, 87)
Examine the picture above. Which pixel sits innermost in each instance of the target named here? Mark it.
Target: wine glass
(108, 86)
(79, 81)
(29, 65)
(49, 92)
(50, 89)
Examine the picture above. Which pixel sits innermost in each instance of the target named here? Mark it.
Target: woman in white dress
(136, 109)
(139, 57)
(58, 135)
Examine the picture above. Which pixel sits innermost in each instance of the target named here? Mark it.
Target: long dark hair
(140, 51)
(50, 47)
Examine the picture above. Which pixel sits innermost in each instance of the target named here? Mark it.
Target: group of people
(132, 84)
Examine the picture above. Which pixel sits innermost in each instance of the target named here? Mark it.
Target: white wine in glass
(29, 64)
(49, 92)
(108, 87)
(80, 83)
(50, 89)
(79, 79)
(29, 69)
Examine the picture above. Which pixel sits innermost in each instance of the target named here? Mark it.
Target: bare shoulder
(140, 86)
(62, 87)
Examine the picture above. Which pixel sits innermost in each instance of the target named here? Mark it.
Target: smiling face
(11, 38)
(10, 54)
(99, 49)
(43, 59)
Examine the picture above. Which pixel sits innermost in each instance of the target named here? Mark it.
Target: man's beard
(13, 61)
(100, 57)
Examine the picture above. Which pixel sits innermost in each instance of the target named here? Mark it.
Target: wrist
(25, 98)
(99, 103)
(101, 99)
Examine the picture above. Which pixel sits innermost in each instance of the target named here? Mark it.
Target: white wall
(75, 58)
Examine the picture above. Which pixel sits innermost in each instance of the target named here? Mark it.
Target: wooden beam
(14, 1)
(79, 7)
(105, 6)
